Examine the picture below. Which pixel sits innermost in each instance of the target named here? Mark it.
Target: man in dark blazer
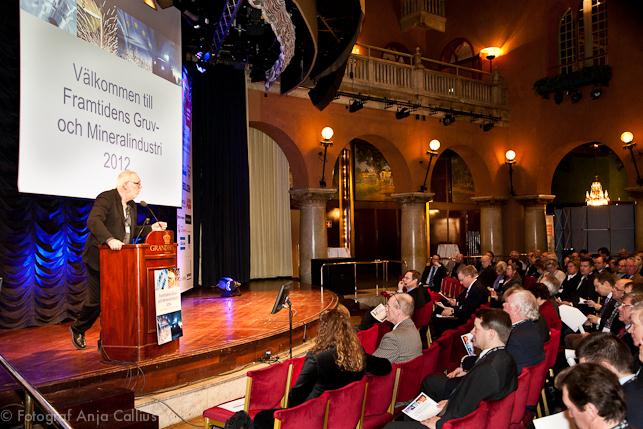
(613, 354)
(487, 275)
(433, 274)
(492, 377)
(112, 221)
(584, 288)
(457, 311)
(526, 342)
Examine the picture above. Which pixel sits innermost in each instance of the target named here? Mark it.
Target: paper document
(467, 340)
(439, 304)
(379, 313)
(422, 408)
(555, 421)
(570, 357)
(572, 317)
(234, 406)
(441, 316)
(582, 301)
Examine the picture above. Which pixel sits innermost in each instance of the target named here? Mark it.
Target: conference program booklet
(467, 340)
(379, 313)
(422, 408)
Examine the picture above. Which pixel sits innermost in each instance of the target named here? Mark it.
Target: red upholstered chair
(529, 281)
(311, 414)
(536, 382)
(378, 401)
(266, 388)
(500, 411)
(430, 358)
(474, 420)
(451, 287)
(444, 344)
(551, 347)
(345, 405)
(368, 339)
(407, 382)
(520, 402)
(296, 365)
(422, 317)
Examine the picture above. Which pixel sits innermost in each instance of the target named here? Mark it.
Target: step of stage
(188, 402)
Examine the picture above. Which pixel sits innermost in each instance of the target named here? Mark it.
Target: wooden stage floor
(219, 334)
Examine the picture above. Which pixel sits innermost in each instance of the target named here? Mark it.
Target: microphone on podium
(144, 204)
(145, 223)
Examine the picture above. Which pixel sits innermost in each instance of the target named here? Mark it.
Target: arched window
(451, 180)
(460, 52)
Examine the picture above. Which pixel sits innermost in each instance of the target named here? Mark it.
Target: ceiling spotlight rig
(448, 119)
(355, 105)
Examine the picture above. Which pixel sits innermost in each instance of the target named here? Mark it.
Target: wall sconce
(628, 143)
(434, 146)
(327, 140)
(490, 54)
(510, 159)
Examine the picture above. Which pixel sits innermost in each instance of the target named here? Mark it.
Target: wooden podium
(128, 310)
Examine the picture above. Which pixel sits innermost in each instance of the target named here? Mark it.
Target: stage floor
(219, 334)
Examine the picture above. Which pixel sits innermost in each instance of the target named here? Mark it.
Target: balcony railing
(399, 76)
(434, 7)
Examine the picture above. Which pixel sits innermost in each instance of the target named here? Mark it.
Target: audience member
(492, 377)
(457, 264)
(551, 267)
(547, 307)
(600, 265)
(636, 328)
(461, 308)
(607, 318)
(610, 352)
(527, 338)
(625, 316)
(593, 397)
(433, 274)
(584, 289)
(403, 343)
(487, 273)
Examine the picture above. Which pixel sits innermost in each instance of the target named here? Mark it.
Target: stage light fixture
(596, 93)
(487, 126)
(402, 113)
(575, 95)
(229, 287)
(558, 97)
(448, 119)
(355, 106)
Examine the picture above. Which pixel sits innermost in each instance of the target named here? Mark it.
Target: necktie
(431, 274)
(128, 225)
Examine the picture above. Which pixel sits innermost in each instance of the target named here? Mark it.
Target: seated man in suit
(457, 311)
(625, 316)
(403, 342)
(410, 284)
(527, 339)
(593, 397)
(487, 273)
(492, 377)
(584, 288)
(610, 352)
(433, 274)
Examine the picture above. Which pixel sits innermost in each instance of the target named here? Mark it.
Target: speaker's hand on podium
(114, 244)
(159, 226)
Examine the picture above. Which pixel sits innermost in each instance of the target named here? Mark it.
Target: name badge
(127, 229)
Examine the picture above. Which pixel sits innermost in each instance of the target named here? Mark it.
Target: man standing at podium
(112, 221)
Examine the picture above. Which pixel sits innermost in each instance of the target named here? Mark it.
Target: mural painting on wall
(461, 181)
(373, 178)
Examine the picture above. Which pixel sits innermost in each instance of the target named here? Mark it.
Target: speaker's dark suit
(492, 377)
(106, 220)
(526, 344)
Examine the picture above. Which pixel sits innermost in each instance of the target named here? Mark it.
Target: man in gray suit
(403, 343)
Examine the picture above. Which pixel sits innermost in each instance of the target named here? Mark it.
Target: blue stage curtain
(41, 237)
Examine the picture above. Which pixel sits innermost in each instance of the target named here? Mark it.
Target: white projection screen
(100, 92)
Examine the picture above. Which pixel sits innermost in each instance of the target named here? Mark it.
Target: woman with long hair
(336, 359)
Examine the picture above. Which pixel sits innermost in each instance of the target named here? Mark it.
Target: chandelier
(596, 196)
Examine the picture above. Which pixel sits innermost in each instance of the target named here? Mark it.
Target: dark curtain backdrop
(41, 237)
(220, 167)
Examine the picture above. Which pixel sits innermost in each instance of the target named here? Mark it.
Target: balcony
(384, 78)
(424, 14)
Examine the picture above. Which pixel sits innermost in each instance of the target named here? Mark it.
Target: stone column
(313, 238)
(413, 228)
(637, 196)
(491, 223)
(535, 226)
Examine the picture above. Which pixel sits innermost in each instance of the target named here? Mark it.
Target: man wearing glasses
(112, 221)
(403, 343)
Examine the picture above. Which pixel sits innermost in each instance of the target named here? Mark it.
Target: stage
(219, 334)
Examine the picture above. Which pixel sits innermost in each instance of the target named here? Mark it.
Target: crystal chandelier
(596, 196)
